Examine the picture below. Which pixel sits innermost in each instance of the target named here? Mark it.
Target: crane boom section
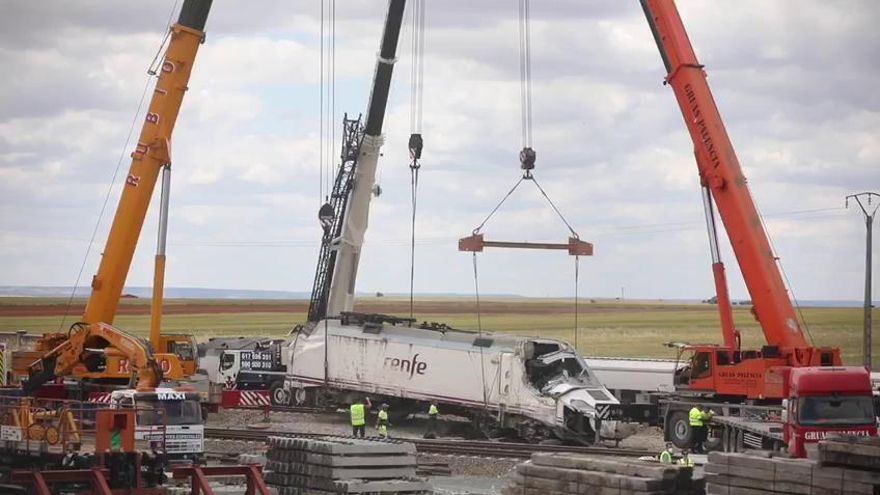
(720, 170)
(354, 227)
(152, 152)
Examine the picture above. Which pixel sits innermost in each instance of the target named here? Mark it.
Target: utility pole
(869, 222)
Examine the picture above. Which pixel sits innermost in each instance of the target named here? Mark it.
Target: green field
(605, 328)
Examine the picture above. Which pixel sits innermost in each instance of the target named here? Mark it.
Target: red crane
(726, 369)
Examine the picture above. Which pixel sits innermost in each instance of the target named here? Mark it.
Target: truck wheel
(302, 397)
(679, 431)
(278, 395)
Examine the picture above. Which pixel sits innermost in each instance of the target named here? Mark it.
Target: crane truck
(93, 350)
(817, 395)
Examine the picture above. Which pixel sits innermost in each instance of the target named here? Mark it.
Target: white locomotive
(534, 388)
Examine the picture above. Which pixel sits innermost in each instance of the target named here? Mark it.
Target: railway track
(480, 448)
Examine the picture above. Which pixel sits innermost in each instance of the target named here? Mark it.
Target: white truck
(246, 364)
(164, 415)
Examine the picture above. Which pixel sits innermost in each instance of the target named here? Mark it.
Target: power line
(437, 240)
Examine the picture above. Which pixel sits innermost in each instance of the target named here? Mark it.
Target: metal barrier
(199, 477)
(37, 426)
(41, 480)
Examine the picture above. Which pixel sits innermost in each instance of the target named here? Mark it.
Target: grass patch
(606, 328)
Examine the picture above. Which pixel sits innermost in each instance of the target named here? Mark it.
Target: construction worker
(359, 418)
(705, 417)
(382, 423)
(685, 459)
(433, 412)
(695, 420)
(666, 454)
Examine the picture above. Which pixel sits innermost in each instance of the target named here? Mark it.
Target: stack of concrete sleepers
(859, 453)
(744, 474)
(557, 474)
(325, 465)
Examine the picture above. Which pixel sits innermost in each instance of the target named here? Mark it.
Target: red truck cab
(827, 400)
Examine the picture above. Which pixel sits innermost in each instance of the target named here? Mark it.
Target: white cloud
(797, 89)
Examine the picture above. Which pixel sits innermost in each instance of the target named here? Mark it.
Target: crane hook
(527, 157)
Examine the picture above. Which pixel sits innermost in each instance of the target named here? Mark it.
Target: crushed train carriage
(536, 388)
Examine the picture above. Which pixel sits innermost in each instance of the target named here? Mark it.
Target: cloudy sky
(798, 83)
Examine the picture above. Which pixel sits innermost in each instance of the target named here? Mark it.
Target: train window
(542, 348)
(227, 359)
(557, 368)
(182, 349)
(483, 342)
(598, 395)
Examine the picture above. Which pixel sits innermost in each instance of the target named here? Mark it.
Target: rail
(480, 448)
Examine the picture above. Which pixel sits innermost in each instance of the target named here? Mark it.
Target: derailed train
(535, 388)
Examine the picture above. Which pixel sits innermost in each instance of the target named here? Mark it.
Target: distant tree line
(714, 300)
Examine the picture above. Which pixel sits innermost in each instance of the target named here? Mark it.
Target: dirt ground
(451, 427)
(469, 474)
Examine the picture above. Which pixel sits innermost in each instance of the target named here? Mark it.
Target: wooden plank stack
(558, 474)
(749, 474)
(330, 465)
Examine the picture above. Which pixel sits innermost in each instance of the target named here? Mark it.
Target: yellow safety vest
(686, 461)
(695, 417)
(666, 457)
(433, 411)
(358, 416)
(383, 417)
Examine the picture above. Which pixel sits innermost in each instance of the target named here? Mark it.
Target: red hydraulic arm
(721, 174)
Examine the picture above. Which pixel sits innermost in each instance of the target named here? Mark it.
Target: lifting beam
(476, 243)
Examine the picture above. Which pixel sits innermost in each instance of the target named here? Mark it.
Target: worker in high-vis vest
(359, 418)
(433, 412)
(686, 459)
(666, 454)
(382, 423)
(697, 418)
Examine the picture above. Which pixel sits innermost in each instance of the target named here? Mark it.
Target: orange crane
(725, 369)
(93, 348)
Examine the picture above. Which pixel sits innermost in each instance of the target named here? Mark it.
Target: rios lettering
(412, 366)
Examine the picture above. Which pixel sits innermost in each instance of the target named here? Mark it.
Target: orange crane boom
(94, 348)
(724, 183)
(152, 152)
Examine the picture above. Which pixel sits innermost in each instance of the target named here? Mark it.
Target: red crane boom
(724, 182)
